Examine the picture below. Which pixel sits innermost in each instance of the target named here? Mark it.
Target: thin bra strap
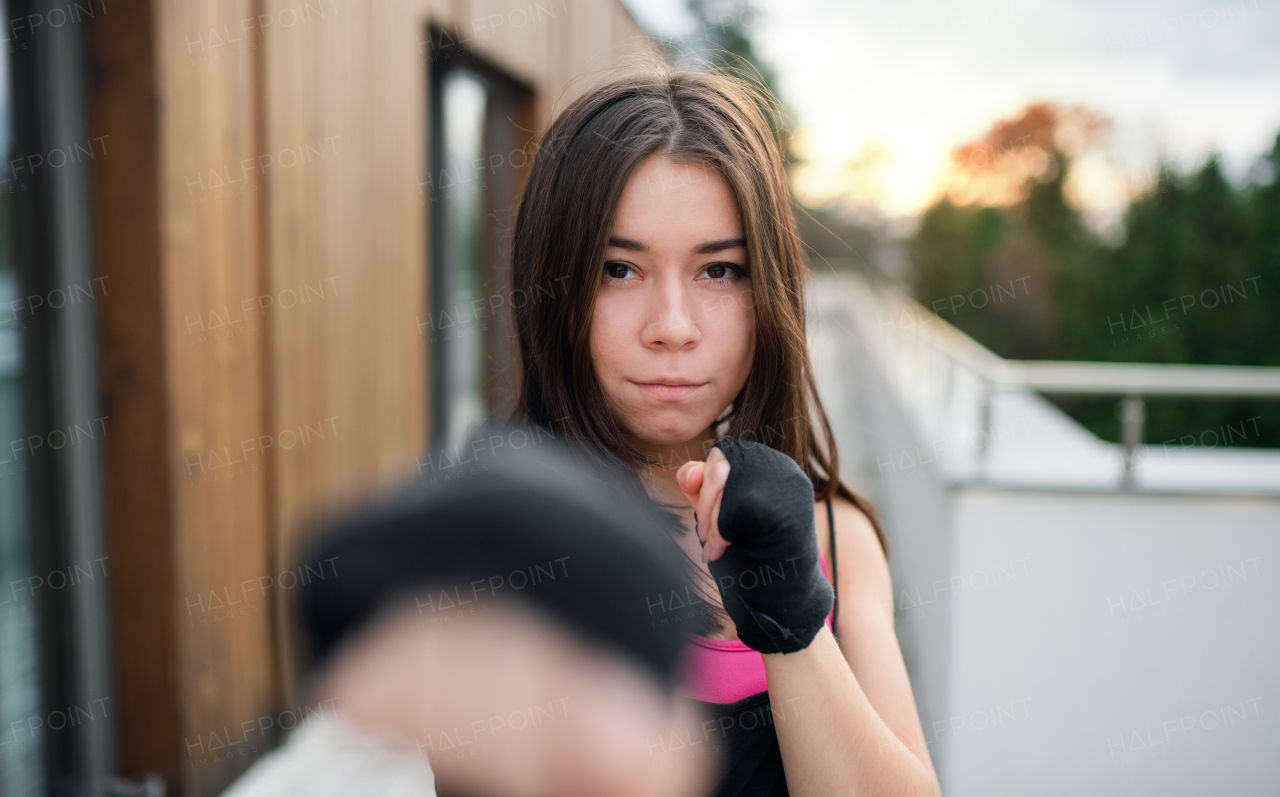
(835, 580)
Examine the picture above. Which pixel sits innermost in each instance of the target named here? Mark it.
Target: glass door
(478, 155)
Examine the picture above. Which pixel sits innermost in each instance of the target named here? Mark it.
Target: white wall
(1113, 645)
(1065, 641)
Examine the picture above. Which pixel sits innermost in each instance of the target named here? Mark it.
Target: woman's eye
(616, 271)
(723, 272)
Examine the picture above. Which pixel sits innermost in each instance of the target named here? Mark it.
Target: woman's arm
(846, 720)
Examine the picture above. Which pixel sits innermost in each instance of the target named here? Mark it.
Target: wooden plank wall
(136, 467)
(215, 365)
(267, 148)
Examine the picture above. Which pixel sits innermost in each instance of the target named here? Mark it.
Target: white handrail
(1143, 379)
(911, 340)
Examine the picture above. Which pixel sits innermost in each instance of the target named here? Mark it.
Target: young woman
(661, 204)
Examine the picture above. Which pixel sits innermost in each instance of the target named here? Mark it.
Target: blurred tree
(723, 39)
(999, 251)
(1195, 280)
(1264, 209)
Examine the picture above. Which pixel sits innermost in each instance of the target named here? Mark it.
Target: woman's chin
(671, 435)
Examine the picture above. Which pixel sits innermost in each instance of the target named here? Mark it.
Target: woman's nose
(671, 323)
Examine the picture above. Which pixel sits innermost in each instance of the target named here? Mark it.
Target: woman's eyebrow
(627, 243)
(711, 247)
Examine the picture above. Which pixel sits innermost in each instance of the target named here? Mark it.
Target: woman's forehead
(659, 175)
(676, 204)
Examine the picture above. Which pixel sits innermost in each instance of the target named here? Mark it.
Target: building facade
(295, 219)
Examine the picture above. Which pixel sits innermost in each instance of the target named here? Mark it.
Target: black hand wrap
(769, 578)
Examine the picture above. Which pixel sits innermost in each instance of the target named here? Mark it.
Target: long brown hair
(561, 231)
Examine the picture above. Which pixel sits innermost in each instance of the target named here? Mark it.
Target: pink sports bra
(725, 670)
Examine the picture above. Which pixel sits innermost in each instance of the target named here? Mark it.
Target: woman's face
(674, 327)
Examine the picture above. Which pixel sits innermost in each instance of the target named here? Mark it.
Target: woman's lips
(668, 392)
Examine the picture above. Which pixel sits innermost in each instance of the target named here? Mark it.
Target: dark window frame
(53, 247)
(508, 132)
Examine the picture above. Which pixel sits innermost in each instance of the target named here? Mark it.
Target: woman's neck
(663, 461)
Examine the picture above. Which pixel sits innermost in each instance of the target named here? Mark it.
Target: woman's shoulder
(853, 527)
(861, 565)
(848, 514)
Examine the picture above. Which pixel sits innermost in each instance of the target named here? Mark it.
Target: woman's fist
(703, 485)
(767, 566)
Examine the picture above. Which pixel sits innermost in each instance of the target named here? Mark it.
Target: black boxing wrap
(769, 578)
(535, 525)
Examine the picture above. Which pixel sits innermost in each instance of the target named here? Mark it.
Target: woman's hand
(703, 485)
(509, 701)
(770, 582)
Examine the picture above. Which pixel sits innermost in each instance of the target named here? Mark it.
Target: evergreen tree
(1195, 280)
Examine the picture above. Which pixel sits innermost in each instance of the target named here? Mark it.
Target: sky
(881, 92)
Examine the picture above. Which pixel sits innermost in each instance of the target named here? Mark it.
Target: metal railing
(1134, 381)
(929, 358)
